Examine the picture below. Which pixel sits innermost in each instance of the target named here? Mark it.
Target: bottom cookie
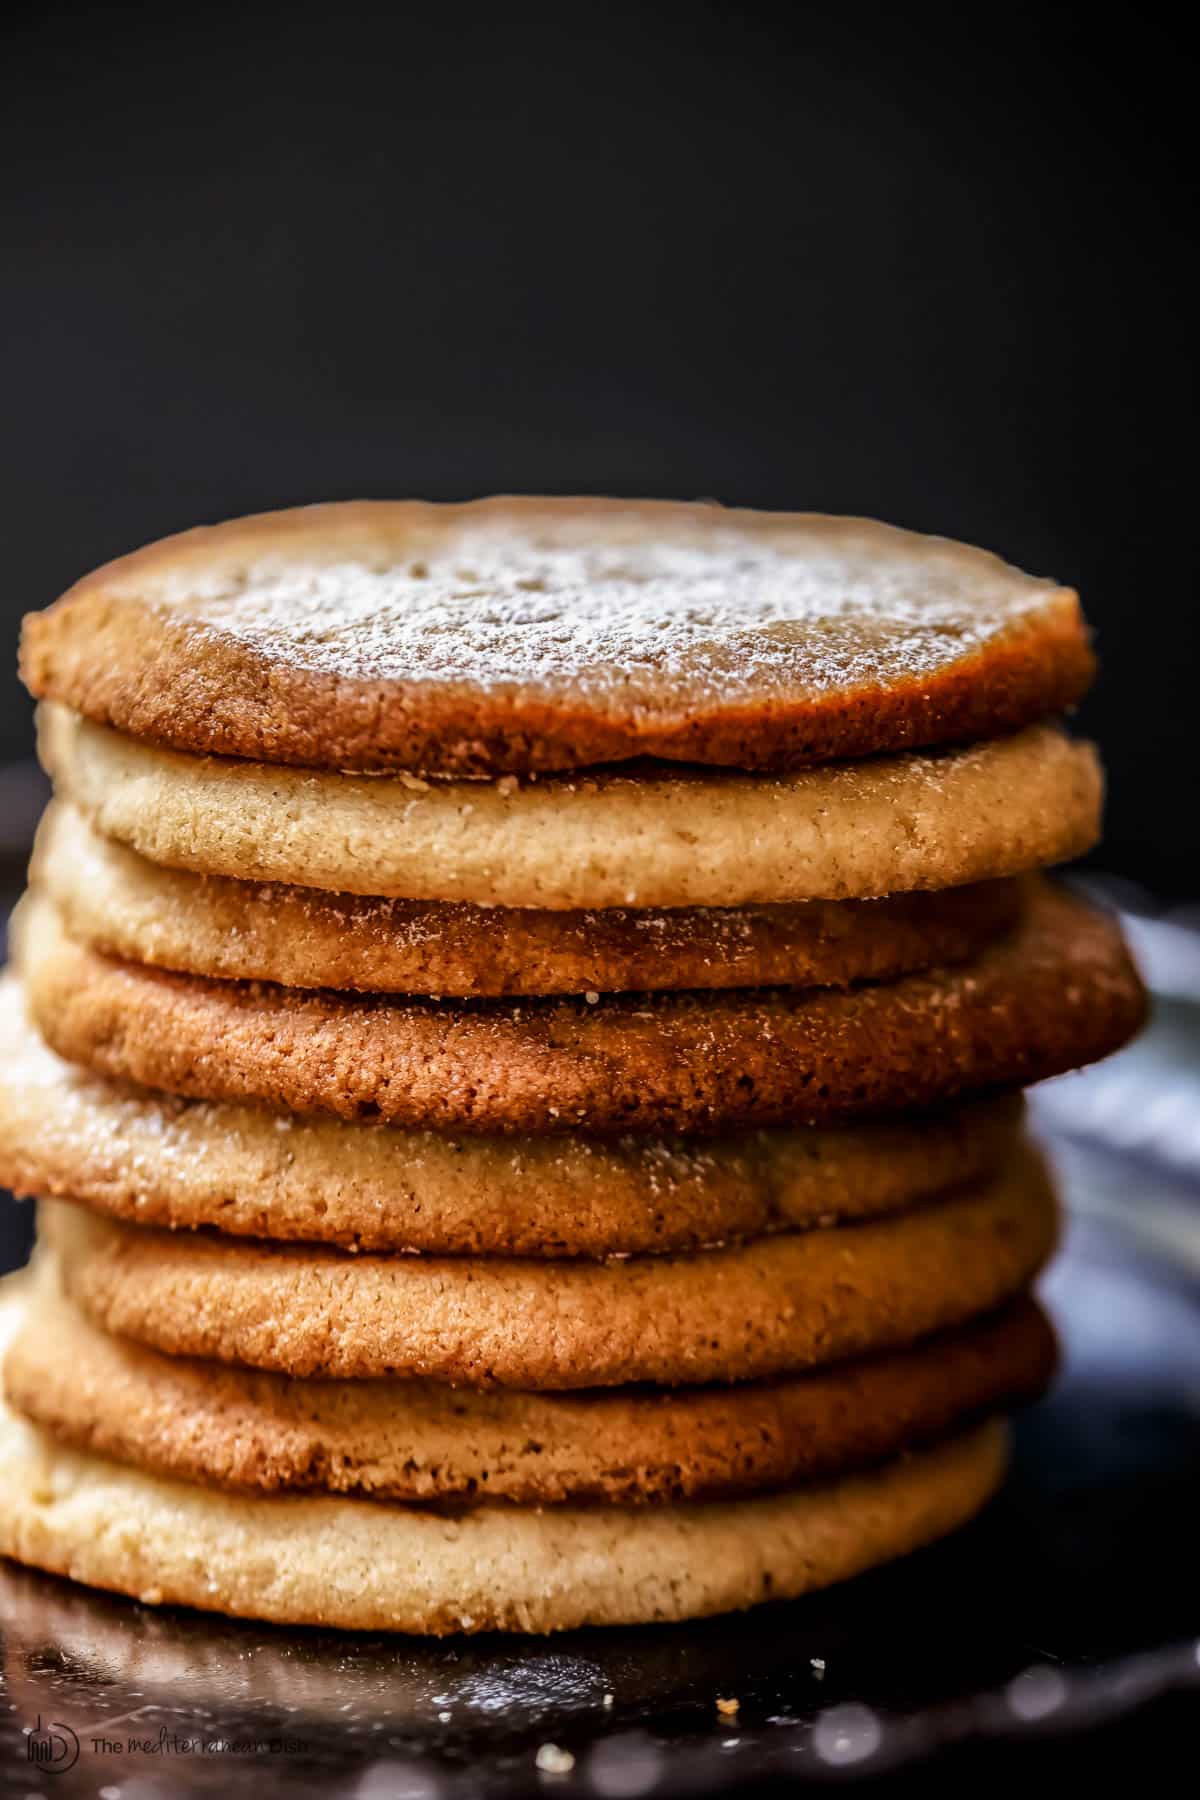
(367, 1565)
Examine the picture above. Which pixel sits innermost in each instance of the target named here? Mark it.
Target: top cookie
(519, 635)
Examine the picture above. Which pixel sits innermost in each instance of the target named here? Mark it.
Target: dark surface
(1071, 1606)
(936, 267)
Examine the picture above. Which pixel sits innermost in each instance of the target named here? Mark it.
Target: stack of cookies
(518, 1031)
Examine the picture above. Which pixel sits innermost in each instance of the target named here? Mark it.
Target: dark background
(856, 259)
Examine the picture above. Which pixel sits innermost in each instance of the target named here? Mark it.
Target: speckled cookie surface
(300, 1559)
(115, 901)
(1057, 992)
(547, 634)
(414, 1440)
(655, 837)
(159, 1160)
(772, 1306)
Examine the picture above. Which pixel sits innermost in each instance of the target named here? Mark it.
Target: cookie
(163, 1161)
(772, 1306)
(651, 838)
(419, 1441)
(115, 901)
(533, 634)
(360, 1565)
(1058, 992)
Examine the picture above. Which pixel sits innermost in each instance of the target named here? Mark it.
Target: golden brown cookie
(654, 837)
(159, 1160)
(298, 1559)
(1058, 992)
(413, 1440)
(517, 634)
(772, 1306)
(115, 901)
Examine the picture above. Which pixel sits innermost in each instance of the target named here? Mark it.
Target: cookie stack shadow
(487, 1183)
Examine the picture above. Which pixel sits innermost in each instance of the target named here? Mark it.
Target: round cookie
(534, 634)
(413, 1440)
(115, 901)
(1058, 992)
(160, 1160)
(363, 1565)
(775, 1305)
(680, 838)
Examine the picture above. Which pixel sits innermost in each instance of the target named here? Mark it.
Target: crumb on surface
(552, 1759)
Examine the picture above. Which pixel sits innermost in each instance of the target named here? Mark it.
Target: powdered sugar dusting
(700, 611)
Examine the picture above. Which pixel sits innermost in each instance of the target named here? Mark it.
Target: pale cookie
(361, 1565)
(652, 838)
(1058, 992)
(365, 1565)
(517, 634)
(115, 901)
(775, 1305)
(413, 1440)
(163, 1161)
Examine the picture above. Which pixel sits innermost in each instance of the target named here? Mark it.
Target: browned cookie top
(531, 634)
